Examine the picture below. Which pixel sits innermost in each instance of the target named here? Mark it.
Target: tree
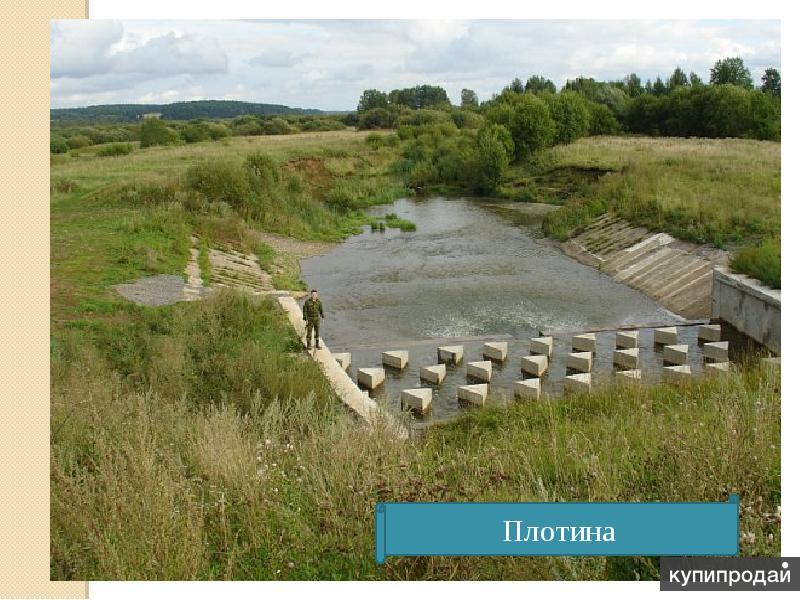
(58, 145)
(771, 82)
(421, 96)
(493, 151)
(659, 89)
(571, 115)
(532, 127)
(537, 83)
(695, 80)
(677, 79)
(372, 99)
(633, 85)
(469, 99)
(156, 133)
(731, 70)
(516, 86)
(376, 118)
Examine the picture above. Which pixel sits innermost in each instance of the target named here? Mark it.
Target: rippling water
(471, 269)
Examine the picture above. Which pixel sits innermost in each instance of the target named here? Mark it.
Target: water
(473, 271)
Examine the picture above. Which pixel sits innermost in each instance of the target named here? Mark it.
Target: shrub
(78, 141)
(58, 145)
(494, 149)
(115, 149)
(277, 126)
(220, 180)
(154, 132)
(532, 127)
(376, 118)
(248, 127)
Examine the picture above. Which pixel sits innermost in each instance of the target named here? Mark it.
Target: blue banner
(557, 529)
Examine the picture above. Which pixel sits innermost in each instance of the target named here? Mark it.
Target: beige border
(24, 299)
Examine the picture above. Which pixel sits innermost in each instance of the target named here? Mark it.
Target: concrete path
(676, 274)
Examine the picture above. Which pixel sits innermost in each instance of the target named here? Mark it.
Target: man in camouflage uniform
(312, 315)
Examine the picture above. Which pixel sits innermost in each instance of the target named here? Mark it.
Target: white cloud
(326, 64)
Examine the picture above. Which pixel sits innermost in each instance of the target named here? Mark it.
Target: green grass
(395, 222)
(762, 261)
(720, 192)
(199, 448)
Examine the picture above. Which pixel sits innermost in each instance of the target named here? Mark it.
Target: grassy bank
(212, 453)
(721, 192)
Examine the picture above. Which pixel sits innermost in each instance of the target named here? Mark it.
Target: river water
(472, 271)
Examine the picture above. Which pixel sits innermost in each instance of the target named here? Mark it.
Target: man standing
(312, 315)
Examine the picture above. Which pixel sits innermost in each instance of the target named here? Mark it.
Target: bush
(323, 125)
(220, 181)
(570, 114)
(532, 127)
(116, 149)
(494, 149)
(154, 132)
(376, 118)
(277, 126)
(250, 126)
(78, 141)
(58, 145)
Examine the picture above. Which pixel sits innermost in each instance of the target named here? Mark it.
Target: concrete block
(535, 365)
(715, 368)
(343, 358)
(676, 374)
(676, 355)
(396, 359)
(542, 345)
(579, 361)
(628, 376)
(371, 378)
(582, 382)
(450, 354)
(481, 370)
(715, 351)
(627, 358)
(709, 333)
(417, 399)
(666, 335)
(627, 339)
(433, 374)
(586, 342)
(528, 389)
(495, 351)
(473, 394)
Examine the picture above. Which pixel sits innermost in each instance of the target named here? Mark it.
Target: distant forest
(177, 111)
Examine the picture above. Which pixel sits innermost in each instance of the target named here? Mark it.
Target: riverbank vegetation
(177, 453)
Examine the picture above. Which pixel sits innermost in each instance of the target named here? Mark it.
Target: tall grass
(190, 473)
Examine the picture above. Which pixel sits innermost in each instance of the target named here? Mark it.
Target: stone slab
(497, 351)
(677, 354)
(481, 370)
(627, 358)
(535, 365)
(343, 358)
(629, 375)
(542, 345)
(528, 389)
(473, 394)
(450, 354)
(371, 377)
(417, 399)
(582, 382)
(579, 361)
(433, 374)
(585, 342)
(627, 339)
(676, 374)
(396, 359)
(665, 336)
(717, 367)
(716, 351)
(709, 333)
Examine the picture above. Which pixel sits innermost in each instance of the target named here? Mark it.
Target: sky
(327, 64)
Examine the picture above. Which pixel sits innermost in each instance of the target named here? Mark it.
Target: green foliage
(537, 84)
(115, 149)
(277, 126)
(762, 261)
(420, 96)
(771, 82)
(494, 148)
(247, 126)
(532, 126)
(396, 222)
(372, 99)
(221, 181)
(602, 121)
(731, 71)
(58, 145)
(377, 118)
(78, 141)
(469, 99)
(154, 132)
(571, 115)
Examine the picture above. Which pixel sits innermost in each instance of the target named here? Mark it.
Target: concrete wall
(749, 306)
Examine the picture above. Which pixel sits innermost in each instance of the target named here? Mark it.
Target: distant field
(721, 192)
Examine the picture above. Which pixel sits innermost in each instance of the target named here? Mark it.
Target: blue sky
(327, 64)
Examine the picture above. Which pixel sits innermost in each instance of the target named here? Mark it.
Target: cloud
(278, 58)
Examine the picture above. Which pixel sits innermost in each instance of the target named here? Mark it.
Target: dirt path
(298, 248)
